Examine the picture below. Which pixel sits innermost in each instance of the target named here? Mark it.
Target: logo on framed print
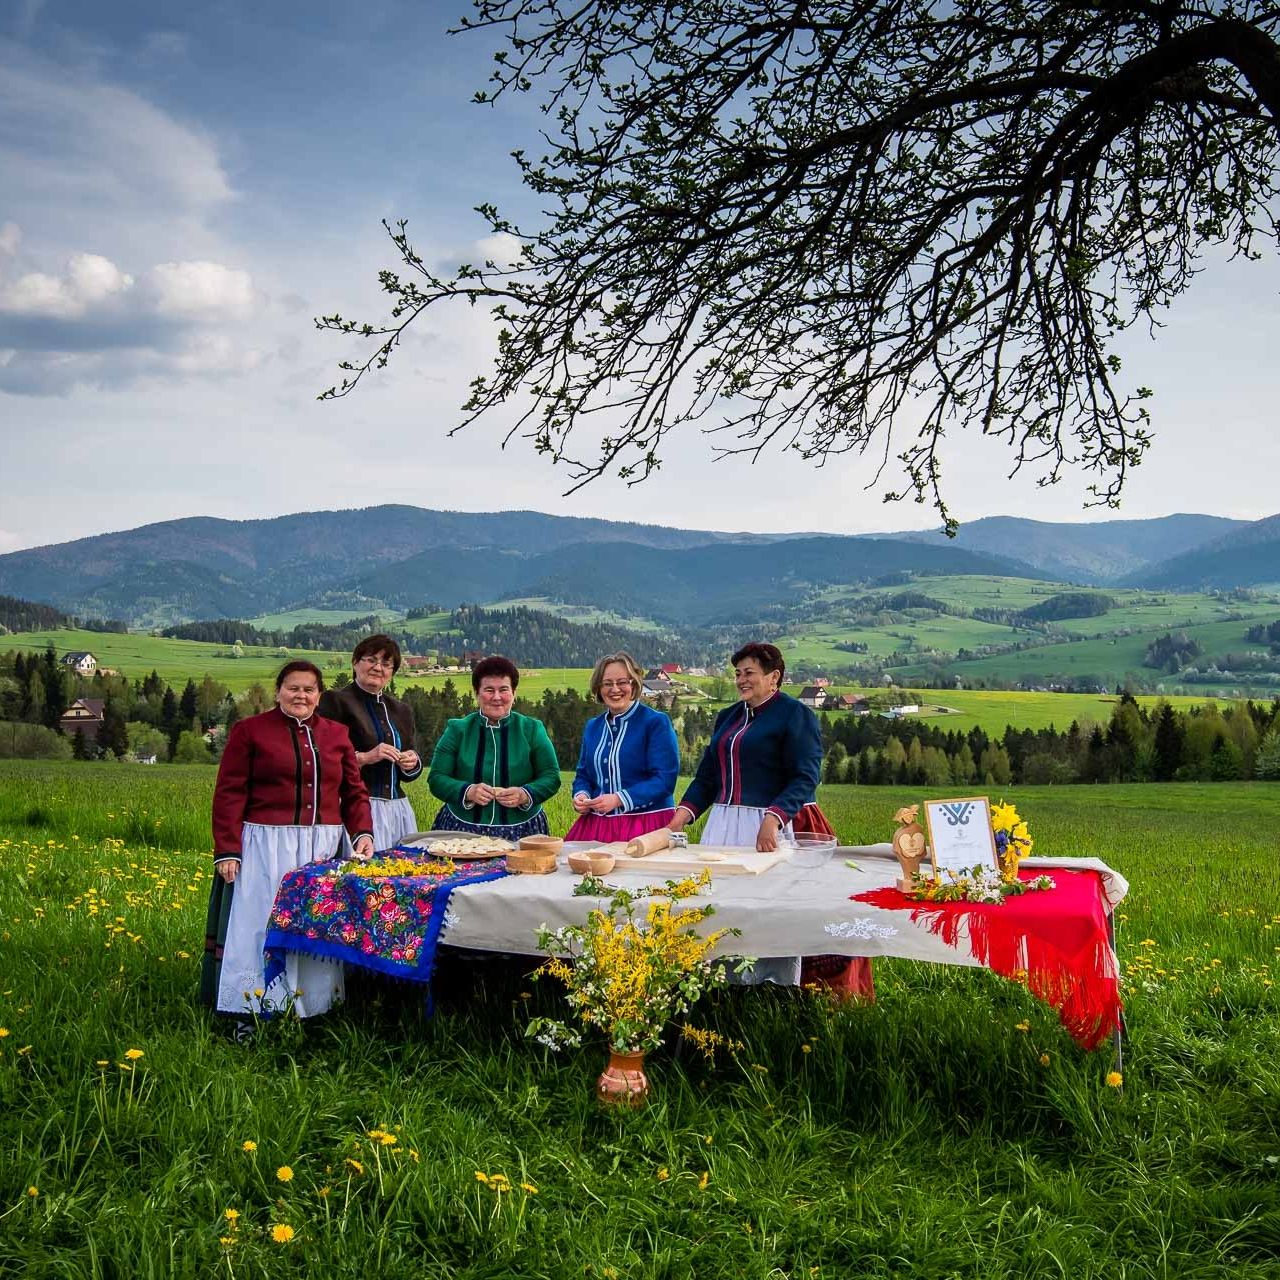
(960, 836)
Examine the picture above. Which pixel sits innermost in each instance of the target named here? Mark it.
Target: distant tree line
(27, 615)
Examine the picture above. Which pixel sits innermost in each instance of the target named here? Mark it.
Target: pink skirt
(603, 828)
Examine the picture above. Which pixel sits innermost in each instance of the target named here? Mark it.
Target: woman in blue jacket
(627, 767)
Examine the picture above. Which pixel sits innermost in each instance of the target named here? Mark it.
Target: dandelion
(249, 1145)
(33, 1192)
(663, 1174)
(226, 1241)
(482, 1177)
(282, 1233)
(1044, 1059)
(323, 1193)
(284, 1173)
(354, 1165)
(232, 1216)
(1024, 1027)
(134, 1054)
(4, 1031)
(702, 1181)
(1114, 1079)
(806, 1048)
(529, 1188)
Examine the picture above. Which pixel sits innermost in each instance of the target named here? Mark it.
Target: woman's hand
(479, 794)
(582, 803)
(607, 803)
(409, 761)
(767, 836)
(362, 848)
(513, 798)
(228, 869)
(679, 820)
(375, 755)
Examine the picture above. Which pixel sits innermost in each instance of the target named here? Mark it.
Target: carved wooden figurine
(909, 848)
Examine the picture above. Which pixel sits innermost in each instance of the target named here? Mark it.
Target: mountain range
(401, 556)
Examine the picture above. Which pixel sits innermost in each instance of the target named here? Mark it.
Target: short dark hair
(494, 665)
(769, 656)
(372, 646)
(300, 664)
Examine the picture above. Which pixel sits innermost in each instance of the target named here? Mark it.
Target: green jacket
(515, 752)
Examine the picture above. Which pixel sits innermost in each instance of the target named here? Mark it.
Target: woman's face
(616, 688)
(298, 694)
(495, 696)
(755, 684)
(374, 672)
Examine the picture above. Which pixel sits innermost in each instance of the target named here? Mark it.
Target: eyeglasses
(615, 684)
(377, 662)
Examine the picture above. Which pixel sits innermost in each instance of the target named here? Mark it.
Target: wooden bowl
(542, 844)
(591, 862)
(531, 862)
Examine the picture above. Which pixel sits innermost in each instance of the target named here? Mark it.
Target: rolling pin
(650, 842)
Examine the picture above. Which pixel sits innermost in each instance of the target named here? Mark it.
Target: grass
(921, 1136)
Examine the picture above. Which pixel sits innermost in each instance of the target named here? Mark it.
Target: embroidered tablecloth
(388, 923)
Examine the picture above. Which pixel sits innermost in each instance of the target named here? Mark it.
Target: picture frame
(960, 835)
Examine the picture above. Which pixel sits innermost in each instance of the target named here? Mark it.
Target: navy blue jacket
(634, 755)
(769, 757)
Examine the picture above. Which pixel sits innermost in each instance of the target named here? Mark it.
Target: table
(790, 910)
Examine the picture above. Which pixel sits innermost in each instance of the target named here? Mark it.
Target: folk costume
(635, 756)
(288, 793)
(372, 718)
(764, 759)
(512, 752)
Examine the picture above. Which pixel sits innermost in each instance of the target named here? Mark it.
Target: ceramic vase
(623, 1082)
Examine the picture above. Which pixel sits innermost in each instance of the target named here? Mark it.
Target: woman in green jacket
(494, 768)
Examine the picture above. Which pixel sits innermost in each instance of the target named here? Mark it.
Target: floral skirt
(602, 828)
(232, 978)
(446, 820)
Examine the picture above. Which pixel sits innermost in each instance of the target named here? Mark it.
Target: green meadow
(951, 1129)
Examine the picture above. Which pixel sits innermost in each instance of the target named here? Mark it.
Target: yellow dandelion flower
(1024, 1027)
(806, 1048)
(702, 1181)
(258, 991)
(33, 1192)
(354, 1165)
(1044, 1059)
(529, 1188)
(323, 1193)
(249, 1145)
(482, 1177)
(226, 1241)
(663, 1174)
(284, 1173)
(1114, 1079)
(232, 1216)
(134, 1054)
(4, 1031)
(102, 1062)
(282, 1233)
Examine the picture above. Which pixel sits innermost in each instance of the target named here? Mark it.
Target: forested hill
(1246, 557)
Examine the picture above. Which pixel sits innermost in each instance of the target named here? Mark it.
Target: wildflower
(232, 1216)
(382, 1136)
(284, 1173)
(482, 1177)
(529, 1188)
(1148, 942)
(354, 1165)
(33, 1192)
(102, 1062)
(702, 1181)
(249, 1145)
(413, 1155)
(4, 1031)
(323, 1193)
(226, 1241)
(806, 1048)
(258, 991)
(663, 1174)
(1024, 1027)
(282, 1233)
(1114, 1079)
(134, 1054)
(1044, 1059)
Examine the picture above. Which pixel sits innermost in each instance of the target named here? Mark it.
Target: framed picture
(960, 836)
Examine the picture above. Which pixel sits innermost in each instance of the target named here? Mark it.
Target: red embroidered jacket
(284, 772)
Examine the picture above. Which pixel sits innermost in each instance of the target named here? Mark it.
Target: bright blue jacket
(767, 757)
(634, 755)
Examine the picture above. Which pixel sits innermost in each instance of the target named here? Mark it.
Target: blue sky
(183, 187)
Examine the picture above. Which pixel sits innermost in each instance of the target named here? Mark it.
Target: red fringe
(1056, 942)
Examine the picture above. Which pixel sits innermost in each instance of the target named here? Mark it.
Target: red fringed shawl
(1056, 941)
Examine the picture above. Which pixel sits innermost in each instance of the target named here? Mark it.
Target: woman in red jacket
(288, 792)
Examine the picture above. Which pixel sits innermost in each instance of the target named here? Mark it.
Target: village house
(813, 696)
(83, 716)
(671, 669)
(81, 662)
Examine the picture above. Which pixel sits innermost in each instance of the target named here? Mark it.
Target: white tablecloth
(788, 910)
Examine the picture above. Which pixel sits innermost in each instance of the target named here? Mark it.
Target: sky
(183, 188)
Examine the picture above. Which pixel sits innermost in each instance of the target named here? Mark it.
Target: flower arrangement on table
(984, 883)
(631, 969)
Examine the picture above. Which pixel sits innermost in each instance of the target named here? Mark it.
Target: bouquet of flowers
(1013, 840)
(631, 969)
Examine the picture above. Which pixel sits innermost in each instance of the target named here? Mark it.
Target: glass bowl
(809, 849)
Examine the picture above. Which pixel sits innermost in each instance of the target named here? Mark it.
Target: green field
(329, 617)
(926, 1135)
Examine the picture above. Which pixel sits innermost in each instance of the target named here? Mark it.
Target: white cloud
(88, 281)
(502, 249)
(200, 289)
(10, 238)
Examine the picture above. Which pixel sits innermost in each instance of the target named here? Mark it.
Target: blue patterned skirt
(446, 820)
